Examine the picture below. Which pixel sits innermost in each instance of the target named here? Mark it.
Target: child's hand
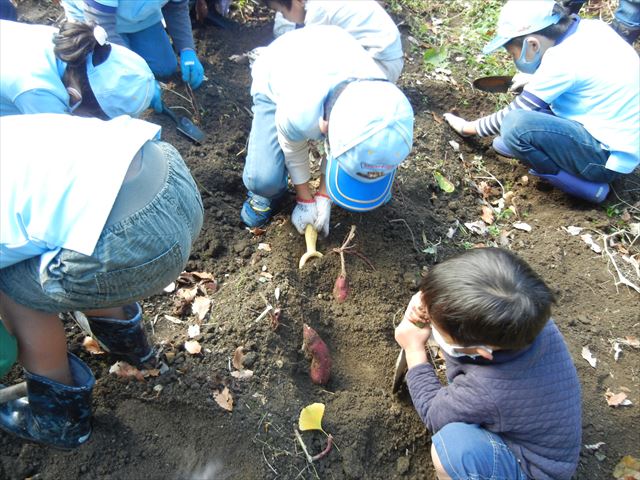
(413, 332)
(460, 125)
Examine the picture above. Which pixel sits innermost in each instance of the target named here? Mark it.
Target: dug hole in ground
(196, 420)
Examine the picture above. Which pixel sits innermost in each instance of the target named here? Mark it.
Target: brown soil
(181, 432)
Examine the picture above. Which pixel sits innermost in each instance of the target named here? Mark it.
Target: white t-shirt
(593, 78)
(60, 175)
(366, 20)
(297, 71)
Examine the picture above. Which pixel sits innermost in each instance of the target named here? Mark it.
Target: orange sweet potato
(315, 349)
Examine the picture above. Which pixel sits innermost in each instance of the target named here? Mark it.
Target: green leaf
(444, 184)
(436, 55)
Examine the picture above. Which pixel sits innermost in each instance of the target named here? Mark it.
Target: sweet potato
(315, 349)
(341, 288)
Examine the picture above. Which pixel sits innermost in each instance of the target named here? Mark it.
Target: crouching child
(512, 405)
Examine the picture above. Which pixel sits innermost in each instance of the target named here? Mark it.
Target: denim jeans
(468, 452)
(628, 13)
(265, 174)
(548, 143)
(135, 257)
(153, 44)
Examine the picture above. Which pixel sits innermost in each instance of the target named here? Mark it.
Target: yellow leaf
(311, 417)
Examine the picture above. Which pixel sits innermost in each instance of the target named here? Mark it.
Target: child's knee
(461, 448)
(513, 125)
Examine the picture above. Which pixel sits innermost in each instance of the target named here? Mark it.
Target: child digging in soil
(140, 26)
(71, 70)
(577, 122)
(89, 232)
(315, 83)
(512, 405)
(366, 20)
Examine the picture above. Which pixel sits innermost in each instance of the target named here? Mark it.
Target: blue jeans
(153, 44)
(135, 257)
(264, 172)
(628, 13)
(548, 144)
(468, 452)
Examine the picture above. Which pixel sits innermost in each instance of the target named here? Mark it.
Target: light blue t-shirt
(58, 194)
(593, 77)
(131, 15)
(31, 75)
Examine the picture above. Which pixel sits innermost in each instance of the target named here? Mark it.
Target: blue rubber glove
(156, 101)
(192, 70)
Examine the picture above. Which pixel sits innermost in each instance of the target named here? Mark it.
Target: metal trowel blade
(189, 130)
(497, 84)
(400, 371)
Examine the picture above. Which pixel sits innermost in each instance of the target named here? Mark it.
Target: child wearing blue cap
(366, 20)
(319, 83)
(512, 408)
(577, 122)
(83, 232)
(70, 70)
(138, 25)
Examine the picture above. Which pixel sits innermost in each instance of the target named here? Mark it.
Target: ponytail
(73, 43)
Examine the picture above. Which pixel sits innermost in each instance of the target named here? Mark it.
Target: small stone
(158, 388)
(402, 465)
(170, 357)
(249, 359)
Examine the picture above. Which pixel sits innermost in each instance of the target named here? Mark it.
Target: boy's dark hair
(552, 32)
(72, 44)
(285, 3)
(487, 296)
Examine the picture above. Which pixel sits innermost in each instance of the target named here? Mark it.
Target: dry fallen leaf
(627, 469)
(193, 347)
(124, 370)
(173, 319)
(257, 231)
(187, 294)
(487, 215)
(571, 230)
(478, 227)
(170, 288)
(242, 374)
(586, 238)
(588, 356)
(224, 399)
(200, 307)
(617, 399)
(455, 145)
(238, 358)
(264, 246)
(91, 346)
(522, 226)
(193, 331)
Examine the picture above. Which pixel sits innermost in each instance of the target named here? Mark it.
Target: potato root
(315, 348)
(341, 288)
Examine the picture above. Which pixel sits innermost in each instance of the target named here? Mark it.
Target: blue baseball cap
(370, 134)
(521, 17)
(123, 84)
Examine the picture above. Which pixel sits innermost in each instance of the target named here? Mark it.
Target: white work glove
(304, 213)
(457, 123)
(519, 81)
(323, 206)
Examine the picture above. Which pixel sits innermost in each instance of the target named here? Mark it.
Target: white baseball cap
(123, 84)
(521, 17)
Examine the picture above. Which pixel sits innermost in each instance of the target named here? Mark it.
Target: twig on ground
(413, 238)
(194, 103)
(621, 278)
(303, 446)
(267, 462)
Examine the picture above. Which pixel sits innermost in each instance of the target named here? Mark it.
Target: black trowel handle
(169, 113)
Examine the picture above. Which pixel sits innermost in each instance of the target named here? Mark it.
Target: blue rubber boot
(52, 413)
(122, 338)
(501, 147)
(256, 211)
(578, 187)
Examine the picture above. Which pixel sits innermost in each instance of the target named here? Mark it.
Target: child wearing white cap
(140, 26)
(577, 122)
(319, 83)
(366, 20)
(71, 70)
